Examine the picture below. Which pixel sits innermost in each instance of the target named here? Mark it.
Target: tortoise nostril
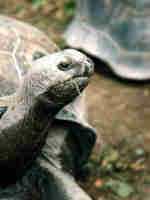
(89, 67)
(89, 61)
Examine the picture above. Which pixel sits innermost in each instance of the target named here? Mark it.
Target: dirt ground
(119, 110)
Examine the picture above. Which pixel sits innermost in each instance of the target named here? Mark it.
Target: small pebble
(140, 152)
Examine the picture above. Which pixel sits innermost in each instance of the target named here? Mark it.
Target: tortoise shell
(115, 31)
(20, 44)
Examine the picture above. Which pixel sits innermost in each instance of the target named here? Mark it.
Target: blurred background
(51, 16)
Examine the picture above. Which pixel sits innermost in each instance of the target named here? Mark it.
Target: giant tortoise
(116, 32)
(33, 110)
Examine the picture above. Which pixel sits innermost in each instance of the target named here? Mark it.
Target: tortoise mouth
(65, 92)
(80, 83)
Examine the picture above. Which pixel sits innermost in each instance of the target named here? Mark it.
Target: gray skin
(44, 90)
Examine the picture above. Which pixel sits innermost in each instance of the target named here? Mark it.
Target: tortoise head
(58, 77)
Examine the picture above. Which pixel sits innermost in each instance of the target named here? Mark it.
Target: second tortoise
(116, 32)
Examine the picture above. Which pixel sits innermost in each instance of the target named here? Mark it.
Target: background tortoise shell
(115, 31)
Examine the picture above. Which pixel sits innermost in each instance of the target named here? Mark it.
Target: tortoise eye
(64, 66)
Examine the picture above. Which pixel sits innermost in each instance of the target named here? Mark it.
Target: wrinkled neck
(31, 109)
(23, 131)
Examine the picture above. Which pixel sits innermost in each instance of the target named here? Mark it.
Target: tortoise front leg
(62, 186)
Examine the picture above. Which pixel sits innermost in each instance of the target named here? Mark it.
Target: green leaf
(69, 7)
(120, 188)
(36, 3)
